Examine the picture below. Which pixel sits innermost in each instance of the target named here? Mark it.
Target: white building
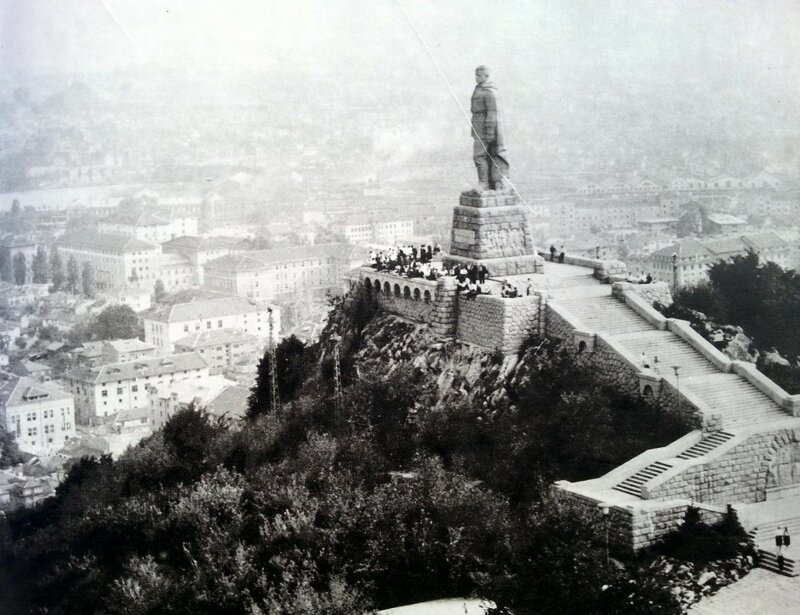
(165, 325)
(266, 275)
(361, 229)
(104, 391)
(149, 227)
(694, 257)
(118, 260)
(40, 415)
(165, 400)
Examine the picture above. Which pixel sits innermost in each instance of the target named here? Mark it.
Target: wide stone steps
(739, 402)
(765, 532)
(670, 350)
(607, 314)
(769, 560)
(632, 484)
(706, 445)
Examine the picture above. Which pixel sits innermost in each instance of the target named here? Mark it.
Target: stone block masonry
(492, 229)
(496, 323)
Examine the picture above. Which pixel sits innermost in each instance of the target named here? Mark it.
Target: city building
(118, 260)
(103, 391)
(165, 325)
(149, 227)
(266, 275)
(125, 350)
(39, 414)
(363, 228)
(693, 256)
(12, 244)
(200, 250)
(164, 401)
(221, 348)
(724, 224)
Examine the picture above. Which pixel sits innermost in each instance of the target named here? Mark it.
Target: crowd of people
(413, 262)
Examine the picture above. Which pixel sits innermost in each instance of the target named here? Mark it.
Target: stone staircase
(670, 350)
(709, 443)
(736, 400)
(789, 567)
(632, 484)
(605, 313)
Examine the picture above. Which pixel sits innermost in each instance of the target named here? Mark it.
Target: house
(150, 227)
(200, 250)
(118, 260)
(32, 369)
(724, 224)
(124, 351)
(266, 275)
(221, 348)
(689, 259)
(108, 389)
(40, 415)
(165, 325)
(164, 401)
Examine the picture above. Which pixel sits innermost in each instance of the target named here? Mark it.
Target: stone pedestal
(491, 228)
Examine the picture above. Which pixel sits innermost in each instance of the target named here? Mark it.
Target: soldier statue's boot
(483, 175)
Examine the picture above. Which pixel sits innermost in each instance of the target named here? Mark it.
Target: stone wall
(488, 321)
(498, 323)
(631, 529)
(559, 323)
(738, 475)
(417, 299)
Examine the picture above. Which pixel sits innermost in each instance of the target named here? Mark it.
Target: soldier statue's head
(481, 74)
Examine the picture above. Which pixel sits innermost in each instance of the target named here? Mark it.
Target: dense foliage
(388, 499)
(763, 299)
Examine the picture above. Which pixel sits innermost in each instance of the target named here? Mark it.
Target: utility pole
(337, 375)
(273, 367)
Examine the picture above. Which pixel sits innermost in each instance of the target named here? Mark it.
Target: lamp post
(676, 369)
(674, 273)
(606, 510)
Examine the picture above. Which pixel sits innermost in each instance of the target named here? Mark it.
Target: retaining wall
(737, 475)
(498, 323)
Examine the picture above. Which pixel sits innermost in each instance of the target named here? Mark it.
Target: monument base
(500, 267)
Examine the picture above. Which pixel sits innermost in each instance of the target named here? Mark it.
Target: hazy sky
(679, 38)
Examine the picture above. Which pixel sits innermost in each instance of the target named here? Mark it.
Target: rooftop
(17, 390)
(203, 308)
(104, 242)
(215, 337)
(130, 370)
(258, 259)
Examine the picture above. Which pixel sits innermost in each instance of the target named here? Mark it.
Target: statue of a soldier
(488, 149)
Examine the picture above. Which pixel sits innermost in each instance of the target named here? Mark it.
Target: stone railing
(748, 371)
(418, 299)
(641, 306)
(683, 330)
(650, 293)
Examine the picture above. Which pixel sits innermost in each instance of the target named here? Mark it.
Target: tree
(292, 368)
(21, 343)
(159, 291)
(56, 269)
(73, 274)
(6, 266)
(20, 269)
(9, 450)
(87, 279)
(40, 266)
(116, 322)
